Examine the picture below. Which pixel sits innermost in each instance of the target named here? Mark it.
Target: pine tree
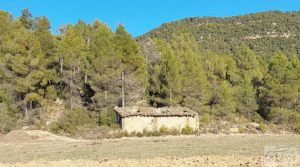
(104, 73)
(26, 19)
(245, 97)
(280, 89)
(49, 49)
(167, 80)
(133, 67)
(249, 65)
(24, 64)
(72, 52)
(222, 101)
(195, 86)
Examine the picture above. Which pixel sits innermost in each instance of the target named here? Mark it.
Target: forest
(223, 68)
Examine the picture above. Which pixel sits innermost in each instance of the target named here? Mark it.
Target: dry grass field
(38, 148)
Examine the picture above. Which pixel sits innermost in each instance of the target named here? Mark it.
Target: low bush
(125, 134)
(163, 130)
(69, 121)
(8, 119)
(285, 117)
(174, 131)
(187, 130)
(297, 127)
(108, 117)
(139, 134)
(256, 117)
(262, 127)
(206, 119)
(132, 134)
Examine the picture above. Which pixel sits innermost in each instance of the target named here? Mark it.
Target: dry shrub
(187, 130)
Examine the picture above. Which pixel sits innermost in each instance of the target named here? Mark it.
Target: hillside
(244, 64)
(232, 71)
(263, 32)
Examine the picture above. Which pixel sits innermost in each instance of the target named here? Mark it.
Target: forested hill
(246, 65)
(238, 69)
(263, 32)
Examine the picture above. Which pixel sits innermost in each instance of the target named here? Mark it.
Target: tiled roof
(155, 112)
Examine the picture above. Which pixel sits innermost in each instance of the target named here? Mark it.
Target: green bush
(8, 120)
(69, 121)
(256, 117)
(139, 134)
(51, 92)
(163, 130)
(108, 117)
(36, 118)
(155, 133)
(187, 130)
(297, 127)
(174, 131)
(206, 119)
(125, 133)
(262, 127)
(147, 133)
(285, 117)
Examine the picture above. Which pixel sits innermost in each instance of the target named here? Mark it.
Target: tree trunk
(30, 105)
(26, 115)
(85, 78)
(170, 95)
(71, 95)
(123, 90)
(88, 41)
(61, 64)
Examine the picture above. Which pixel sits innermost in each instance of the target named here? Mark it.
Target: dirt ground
(39, 148)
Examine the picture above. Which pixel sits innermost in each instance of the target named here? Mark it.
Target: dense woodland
(211, 65)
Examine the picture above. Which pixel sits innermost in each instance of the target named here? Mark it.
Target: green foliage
(187, 130)
(297, 127)
(163, 130)
(70, 121)
(285, 117)
(139, 134)
(222, 100)
(108, 117)
(51, 93)
(246, 99)
(166, 80)
(256, 117)
(224, 35)
(8, 120)
(262, 127)
(174, 131)
(179, 76)
(211, 65)
(206, 119)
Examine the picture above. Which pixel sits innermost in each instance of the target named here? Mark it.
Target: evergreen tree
(166, 88)
(24, 65)
(195, 85)
(248, 64)
(104, 73)
(222, 101)
(245, 97)
(133, 67)
(26, 19)
(72, 52)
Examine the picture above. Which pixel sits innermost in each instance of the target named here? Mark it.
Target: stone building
(138, 119)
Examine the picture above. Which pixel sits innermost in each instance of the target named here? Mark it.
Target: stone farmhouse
(138, 119)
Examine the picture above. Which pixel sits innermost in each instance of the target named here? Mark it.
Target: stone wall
(138, 123)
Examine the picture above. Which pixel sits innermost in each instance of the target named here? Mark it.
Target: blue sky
(140, 16)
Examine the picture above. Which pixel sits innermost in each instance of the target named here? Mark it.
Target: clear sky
(139, 16)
